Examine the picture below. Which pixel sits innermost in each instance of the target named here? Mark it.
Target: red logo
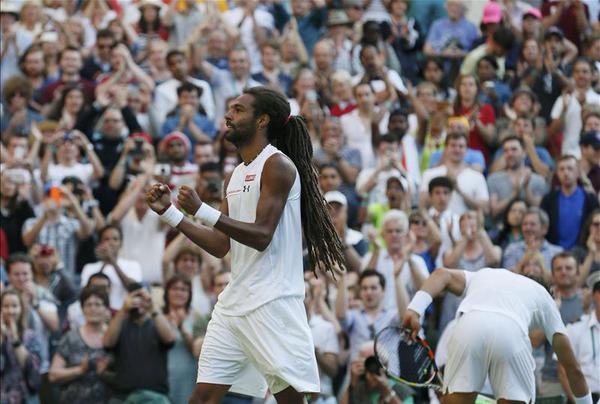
(250, 177)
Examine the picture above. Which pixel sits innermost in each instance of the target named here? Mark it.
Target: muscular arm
(277, 180)
(566, 359)
(452, 280)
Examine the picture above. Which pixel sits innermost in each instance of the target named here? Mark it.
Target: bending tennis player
(491, 334)
(259, 323)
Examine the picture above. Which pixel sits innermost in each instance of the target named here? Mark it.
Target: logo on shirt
(246, 188)
(250, 177)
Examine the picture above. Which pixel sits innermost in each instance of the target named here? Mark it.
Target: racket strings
(404, 358)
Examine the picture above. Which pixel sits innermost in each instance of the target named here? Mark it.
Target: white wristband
(420, 302)
(172, 216)
(587, 399)
(207, 214)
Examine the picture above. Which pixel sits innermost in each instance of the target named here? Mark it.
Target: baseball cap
(338, 17)
(337, 197)
(533, 12)
(554, 31)
(492, 13)
(397, 179)
(593, 280)
(590, 138)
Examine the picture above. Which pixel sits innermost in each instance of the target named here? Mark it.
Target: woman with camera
(80, 360)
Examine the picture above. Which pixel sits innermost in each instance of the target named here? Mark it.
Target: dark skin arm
(278, 177)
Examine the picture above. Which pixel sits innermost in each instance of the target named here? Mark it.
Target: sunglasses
(418, 222)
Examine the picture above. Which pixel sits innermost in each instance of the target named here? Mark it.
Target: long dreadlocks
(290, 135)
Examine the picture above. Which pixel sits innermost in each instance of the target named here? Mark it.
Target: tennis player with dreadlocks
(259, 322)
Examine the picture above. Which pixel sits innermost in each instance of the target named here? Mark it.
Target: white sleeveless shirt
(258, 277)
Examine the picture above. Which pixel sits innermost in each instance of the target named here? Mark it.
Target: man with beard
(259, 323)
(515, 181)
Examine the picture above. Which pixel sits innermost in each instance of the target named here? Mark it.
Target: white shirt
(377, 193)
(144, 242)
(84, 172)
(385, 266)
(447, 218)
(585, 340)
(200, 299)
(258, 277)
(165, 97)
(573, 122)
(498, 290)
(360, 137)
(264, 19)
(118, 293)
(470, 182)
(326, 341)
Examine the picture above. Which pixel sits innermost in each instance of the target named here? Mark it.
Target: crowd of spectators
(442, 136)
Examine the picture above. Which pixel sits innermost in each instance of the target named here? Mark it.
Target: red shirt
(568, 19)
(337, 111)
(486, 116)
(48, 92)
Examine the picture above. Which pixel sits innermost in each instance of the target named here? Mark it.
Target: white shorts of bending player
(271, 346)
(490, 344)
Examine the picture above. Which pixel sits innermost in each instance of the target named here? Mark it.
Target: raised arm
(452, 280)
(277, 180)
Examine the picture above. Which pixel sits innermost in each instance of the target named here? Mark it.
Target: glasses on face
(418, 222)
(104, 46)
(112, 120)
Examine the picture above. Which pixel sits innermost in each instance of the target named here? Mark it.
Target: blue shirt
(542, 153)
(444, 31)
(472, 157)
(201, 122)
(312, 27)
(570, 210)
(283, 80)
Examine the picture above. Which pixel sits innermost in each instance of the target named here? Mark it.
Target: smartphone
(55, 194)
(138, 148)
(19, 152)
(162, 170)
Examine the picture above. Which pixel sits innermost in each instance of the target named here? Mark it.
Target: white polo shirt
(585, 339)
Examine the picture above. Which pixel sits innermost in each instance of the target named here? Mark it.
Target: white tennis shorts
(490, 344)
(271, 346)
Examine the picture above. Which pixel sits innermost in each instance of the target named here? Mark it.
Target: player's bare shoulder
(279, 170)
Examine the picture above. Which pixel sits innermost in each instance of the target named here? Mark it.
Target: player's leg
(222, 364)
(466, 369)
(208, 393)
(290, 395)
(511, 363)
(459, 398)
(278, 341)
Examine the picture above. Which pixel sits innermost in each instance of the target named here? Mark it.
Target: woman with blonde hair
(533, 265)
(20, 349)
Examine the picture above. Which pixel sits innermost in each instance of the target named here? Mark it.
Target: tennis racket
(407, 361)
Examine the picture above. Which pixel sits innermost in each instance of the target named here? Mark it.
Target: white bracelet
(420, 302)
(207, 214)
(172, 216)
(587, 399)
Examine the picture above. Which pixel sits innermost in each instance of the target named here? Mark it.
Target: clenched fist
(188, 200)
(158, 197)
